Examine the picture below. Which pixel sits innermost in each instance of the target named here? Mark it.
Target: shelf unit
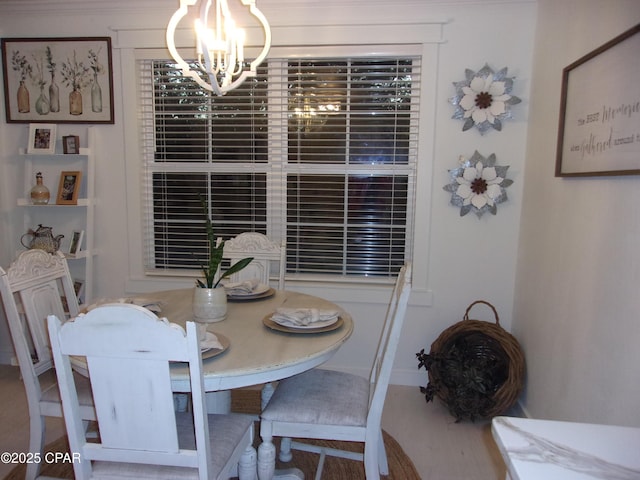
(64, 219)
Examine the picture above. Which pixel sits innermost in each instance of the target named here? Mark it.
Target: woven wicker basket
(489, 351)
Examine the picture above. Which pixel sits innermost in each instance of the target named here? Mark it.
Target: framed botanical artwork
(599, 131)
(69, 188)
(76, 242)
(42, 138)
(61, 80)
(71, 144)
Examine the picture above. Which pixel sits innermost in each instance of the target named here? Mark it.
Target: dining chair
(332, 405)
(129, 352)
(265, 253)
(35, 285)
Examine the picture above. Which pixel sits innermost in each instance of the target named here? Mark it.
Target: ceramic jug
(42, 238)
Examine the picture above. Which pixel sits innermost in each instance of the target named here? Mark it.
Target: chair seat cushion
(226, 432)
(83, 386)
(320, 396)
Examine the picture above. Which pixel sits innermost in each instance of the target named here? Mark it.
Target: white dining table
(255, 354)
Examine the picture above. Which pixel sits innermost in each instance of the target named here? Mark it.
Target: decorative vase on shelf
(54, 95)
(209, 304)
(75, 102)
(42, 103)
(23, 98)
(39, 193)
(96, 95)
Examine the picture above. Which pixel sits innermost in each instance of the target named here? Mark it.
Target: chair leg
(36, 444)
(383, 464)
(285, 450)
(371, 459)
(266, 453)
(248, 465)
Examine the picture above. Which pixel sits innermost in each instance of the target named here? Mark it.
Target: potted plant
(209, 297)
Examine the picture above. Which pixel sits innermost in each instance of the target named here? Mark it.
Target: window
(320, 153)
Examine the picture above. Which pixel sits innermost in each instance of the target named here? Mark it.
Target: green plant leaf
(236, 267)
(216, 252)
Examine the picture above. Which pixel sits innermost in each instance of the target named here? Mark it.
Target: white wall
(458, 260)
(577, 308)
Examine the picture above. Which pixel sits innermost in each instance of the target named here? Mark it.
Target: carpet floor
(248, 401)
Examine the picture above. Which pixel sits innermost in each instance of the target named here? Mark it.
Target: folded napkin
(242, 288)
(211, 341)
(154, 305)
(300, 317)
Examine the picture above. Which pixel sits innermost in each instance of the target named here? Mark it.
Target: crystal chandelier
(219, 45)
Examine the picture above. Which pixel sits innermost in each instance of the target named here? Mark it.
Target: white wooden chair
(264, 252)
(331, 405)
(128, 351)
(32, 288)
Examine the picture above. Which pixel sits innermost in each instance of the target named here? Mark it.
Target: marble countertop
(550, 450)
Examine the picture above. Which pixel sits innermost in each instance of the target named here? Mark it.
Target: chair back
(388, 345)
(34, 286)
(128, 350)
(267, 256)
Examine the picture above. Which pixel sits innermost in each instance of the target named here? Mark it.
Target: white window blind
(321, 153)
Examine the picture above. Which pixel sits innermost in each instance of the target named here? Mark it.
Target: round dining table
(256, 351)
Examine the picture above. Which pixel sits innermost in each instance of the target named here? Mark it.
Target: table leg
(218, 402)
(266, 394)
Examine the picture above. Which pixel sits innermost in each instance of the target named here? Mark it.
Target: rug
(248, 401)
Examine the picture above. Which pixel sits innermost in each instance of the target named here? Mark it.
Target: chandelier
(311, 107)
(219, 45)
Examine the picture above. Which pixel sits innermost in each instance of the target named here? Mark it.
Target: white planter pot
(209, 304)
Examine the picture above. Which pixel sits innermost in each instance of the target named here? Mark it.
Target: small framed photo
(69, 188)
(78, 287)
(42, 138)
(71, 144)
(76, 242)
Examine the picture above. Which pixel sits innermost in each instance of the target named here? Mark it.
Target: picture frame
(61, 80)
(78, 287)
(42, 138)
(69, 188)
(76, 242)
(599, 128)
(71, 144)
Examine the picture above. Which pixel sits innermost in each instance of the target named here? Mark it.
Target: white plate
(304, 330)
(311, 326)
(259, 290)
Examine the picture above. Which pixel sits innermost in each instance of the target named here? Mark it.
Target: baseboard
(404, 377)
(8, 358)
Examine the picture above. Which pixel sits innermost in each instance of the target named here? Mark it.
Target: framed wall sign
(599, 132)
(42, 138)
(69, 188)
(58, 80)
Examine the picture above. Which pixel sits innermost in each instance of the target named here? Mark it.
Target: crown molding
(117, 6)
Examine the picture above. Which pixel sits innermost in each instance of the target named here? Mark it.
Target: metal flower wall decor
(484, 99)
(478, 185)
